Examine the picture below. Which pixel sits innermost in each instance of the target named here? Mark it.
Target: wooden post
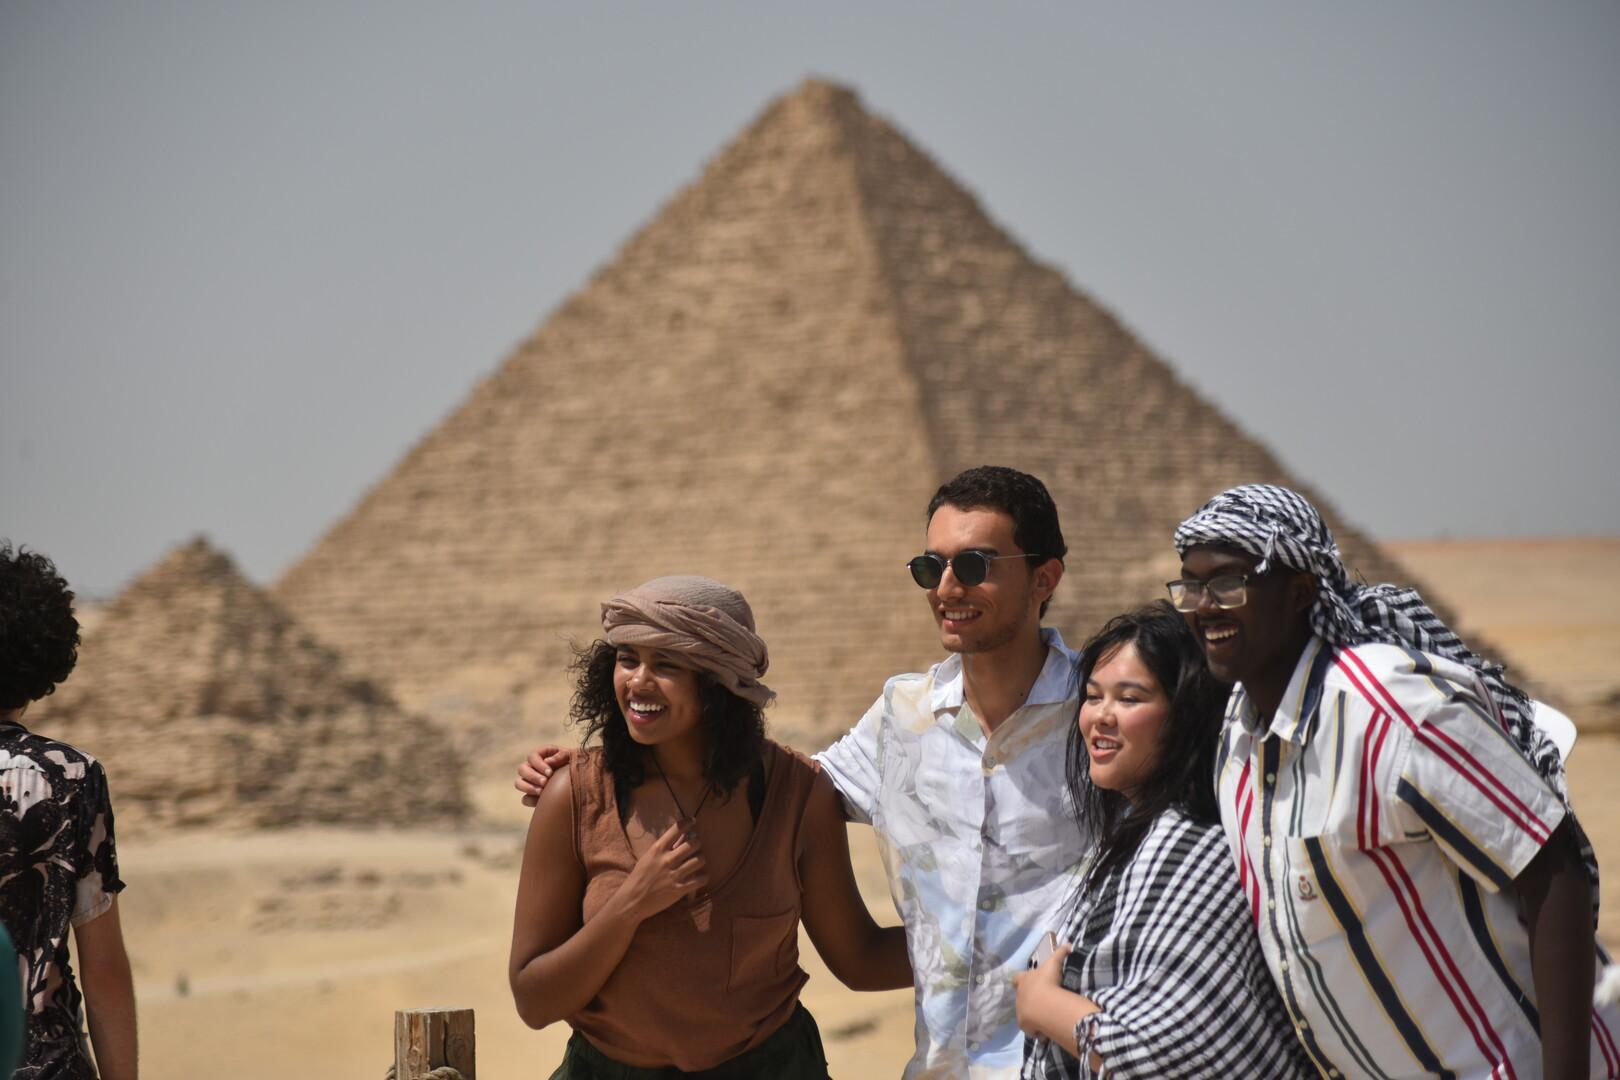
(425, 1039)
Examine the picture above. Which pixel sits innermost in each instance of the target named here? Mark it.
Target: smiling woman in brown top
(666, 870)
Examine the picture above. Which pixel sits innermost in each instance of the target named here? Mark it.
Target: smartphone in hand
(1044, 949)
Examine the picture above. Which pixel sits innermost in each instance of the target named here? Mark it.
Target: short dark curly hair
(1020, 496)
(733, 727)
(39, 637)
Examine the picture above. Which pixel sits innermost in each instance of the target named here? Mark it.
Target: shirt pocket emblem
(1307, 891)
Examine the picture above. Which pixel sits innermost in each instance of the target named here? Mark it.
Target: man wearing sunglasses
(959, 769)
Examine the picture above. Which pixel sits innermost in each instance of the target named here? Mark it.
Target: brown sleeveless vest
(701, 982)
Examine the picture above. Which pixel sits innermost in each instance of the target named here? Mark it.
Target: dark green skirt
(793, 1052)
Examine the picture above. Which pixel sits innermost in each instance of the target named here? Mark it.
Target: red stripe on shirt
(1451, 965)
(1363, 782)
(1479, 776)
(1248, 880)
(1482, 772)
(1381, 723)
(1605, 1041)
(1411, 905)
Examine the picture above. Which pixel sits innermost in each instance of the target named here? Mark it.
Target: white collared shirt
(1379, 819)
(980, 845)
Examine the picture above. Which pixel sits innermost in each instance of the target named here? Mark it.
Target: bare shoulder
(556, 800)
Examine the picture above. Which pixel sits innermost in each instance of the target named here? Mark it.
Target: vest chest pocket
(762, 946)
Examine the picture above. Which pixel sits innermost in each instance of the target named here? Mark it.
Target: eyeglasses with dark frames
(971, 567)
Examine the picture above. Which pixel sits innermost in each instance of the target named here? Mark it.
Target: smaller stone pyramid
(209, 705)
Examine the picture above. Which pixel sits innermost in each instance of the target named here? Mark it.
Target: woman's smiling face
(1122, 718)
(659, 697)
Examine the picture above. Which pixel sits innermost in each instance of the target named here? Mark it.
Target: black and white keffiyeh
(1275, 524)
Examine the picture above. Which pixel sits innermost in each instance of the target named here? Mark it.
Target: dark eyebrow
(1122, 683)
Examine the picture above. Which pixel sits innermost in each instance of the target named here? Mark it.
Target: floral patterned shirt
(58, 867)
(980, 845)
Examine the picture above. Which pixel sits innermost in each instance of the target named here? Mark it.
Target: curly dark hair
(1190, 737)
(1021, 497)
(733, 728)
(39, 637)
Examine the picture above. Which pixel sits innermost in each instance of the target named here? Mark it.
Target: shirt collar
(1055, 683)
(1292, 720)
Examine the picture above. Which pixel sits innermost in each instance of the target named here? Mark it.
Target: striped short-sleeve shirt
(1378, 819)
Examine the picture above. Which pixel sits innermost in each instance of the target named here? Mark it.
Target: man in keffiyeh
(1424, 895)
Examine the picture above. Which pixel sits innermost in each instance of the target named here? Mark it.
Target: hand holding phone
(1044, 949)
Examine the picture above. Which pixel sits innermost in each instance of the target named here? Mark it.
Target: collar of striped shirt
(1295, 717)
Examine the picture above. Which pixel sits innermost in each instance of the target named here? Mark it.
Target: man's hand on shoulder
(535, 771)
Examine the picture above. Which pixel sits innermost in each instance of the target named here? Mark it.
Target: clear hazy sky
(250, 252)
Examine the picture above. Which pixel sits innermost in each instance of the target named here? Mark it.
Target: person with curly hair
(959, 769)
(58, 861)
(667, 869)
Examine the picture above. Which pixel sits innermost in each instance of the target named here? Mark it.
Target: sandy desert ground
(262, 956)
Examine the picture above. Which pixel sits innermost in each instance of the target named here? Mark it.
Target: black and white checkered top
(1165, 946)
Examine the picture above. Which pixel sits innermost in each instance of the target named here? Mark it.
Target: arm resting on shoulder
(1557, 901)
(109, 993)
(536, 769)
(862, 954)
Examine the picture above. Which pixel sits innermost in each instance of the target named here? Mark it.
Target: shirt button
(1284, 965)
(1266, 842)
(1303, 1025)
(1271, 778)
(990, 762)
(1333, 1072)
(1271, 905)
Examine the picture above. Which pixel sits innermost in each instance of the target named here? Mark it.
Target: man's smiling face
(992, 614)
(1260, 639)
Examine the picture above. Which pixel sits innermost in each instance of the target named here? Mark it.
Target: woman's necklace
(688, 821)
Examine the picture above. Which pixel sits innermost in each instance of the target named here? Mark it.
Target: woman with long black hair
(1160, 973)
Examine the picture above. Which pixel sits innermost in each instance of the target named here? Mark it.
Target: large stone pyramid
(765, 385)
(209, 705)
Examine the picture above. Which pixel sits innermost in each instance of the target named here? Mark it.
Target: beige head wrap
(708, 625)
